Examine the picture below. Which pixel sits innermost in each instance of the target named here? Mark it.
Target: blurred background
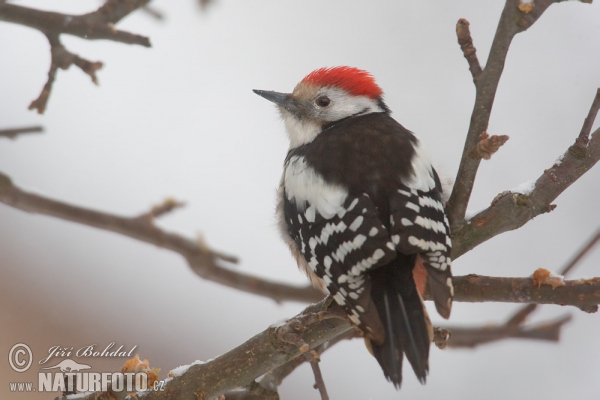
(180, 120)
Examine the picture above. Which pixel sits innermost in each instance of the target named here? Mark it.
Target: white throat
(300, 132)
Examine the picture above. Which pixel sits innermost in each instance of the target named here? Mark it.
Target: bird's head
(323, 97)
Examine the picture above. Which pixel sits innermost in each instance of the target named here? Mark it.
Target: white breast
(310, 191)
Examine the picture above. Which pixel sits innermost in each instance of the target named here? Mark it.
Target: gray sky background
(180, 119)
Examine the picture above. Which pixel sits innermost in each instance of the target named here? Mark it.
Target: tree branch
(472, 337)
(271, 348)
(203, 260)
(513, 328)
(512, 21)
(511, 210)
(96, 25)
(583, 293)
(13, 133)
(99, 24)
(63, 59)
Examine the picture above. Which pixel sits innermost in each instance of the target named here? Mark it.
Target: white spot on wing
(327, 262)
(427, 223)
(357, 223)
(378, 254)
(413, 207)
(426, 245)
(425, 201)
(406, 222)
(359, 240)
(339, 299)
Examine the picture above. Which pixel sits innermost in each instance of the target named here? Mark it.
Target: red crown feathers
(353, 80)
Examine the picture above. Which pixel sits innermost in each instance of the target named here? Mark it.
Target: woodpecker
(360, 207)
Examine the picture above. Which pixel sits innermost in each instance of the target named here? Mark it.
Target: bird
(360, 207)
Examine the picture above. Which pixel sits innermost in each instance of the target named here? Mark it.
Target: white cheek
(299, 132)
(344, 105)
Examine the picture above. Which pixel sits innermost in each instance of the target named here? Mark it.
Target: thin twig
(63, 59)
(13, 133)
(153, 12)
(165, 207)
(473, 337)
(319, 381)
(581, 253)
(463, 34)
(584, 135)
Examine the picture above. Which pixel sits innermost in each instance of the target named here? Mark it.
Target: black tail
(404, 319)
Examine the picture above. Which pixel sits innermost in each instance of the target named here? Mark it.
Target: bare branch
(473, 337)
(203, 260)
(63, 59)
(457, 337)
(267, 351)
(510, 210)
(99, 24)
(167, 206)
(13, 133)
(512, 21)
(583, 294)
(96, 25)
(261, 354)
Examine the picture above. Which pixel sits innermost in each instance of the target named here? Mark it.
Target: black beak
(284, 100)
(275, 97)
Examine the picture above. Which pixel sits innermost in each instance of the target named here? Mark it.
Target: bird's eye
(323, 101)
